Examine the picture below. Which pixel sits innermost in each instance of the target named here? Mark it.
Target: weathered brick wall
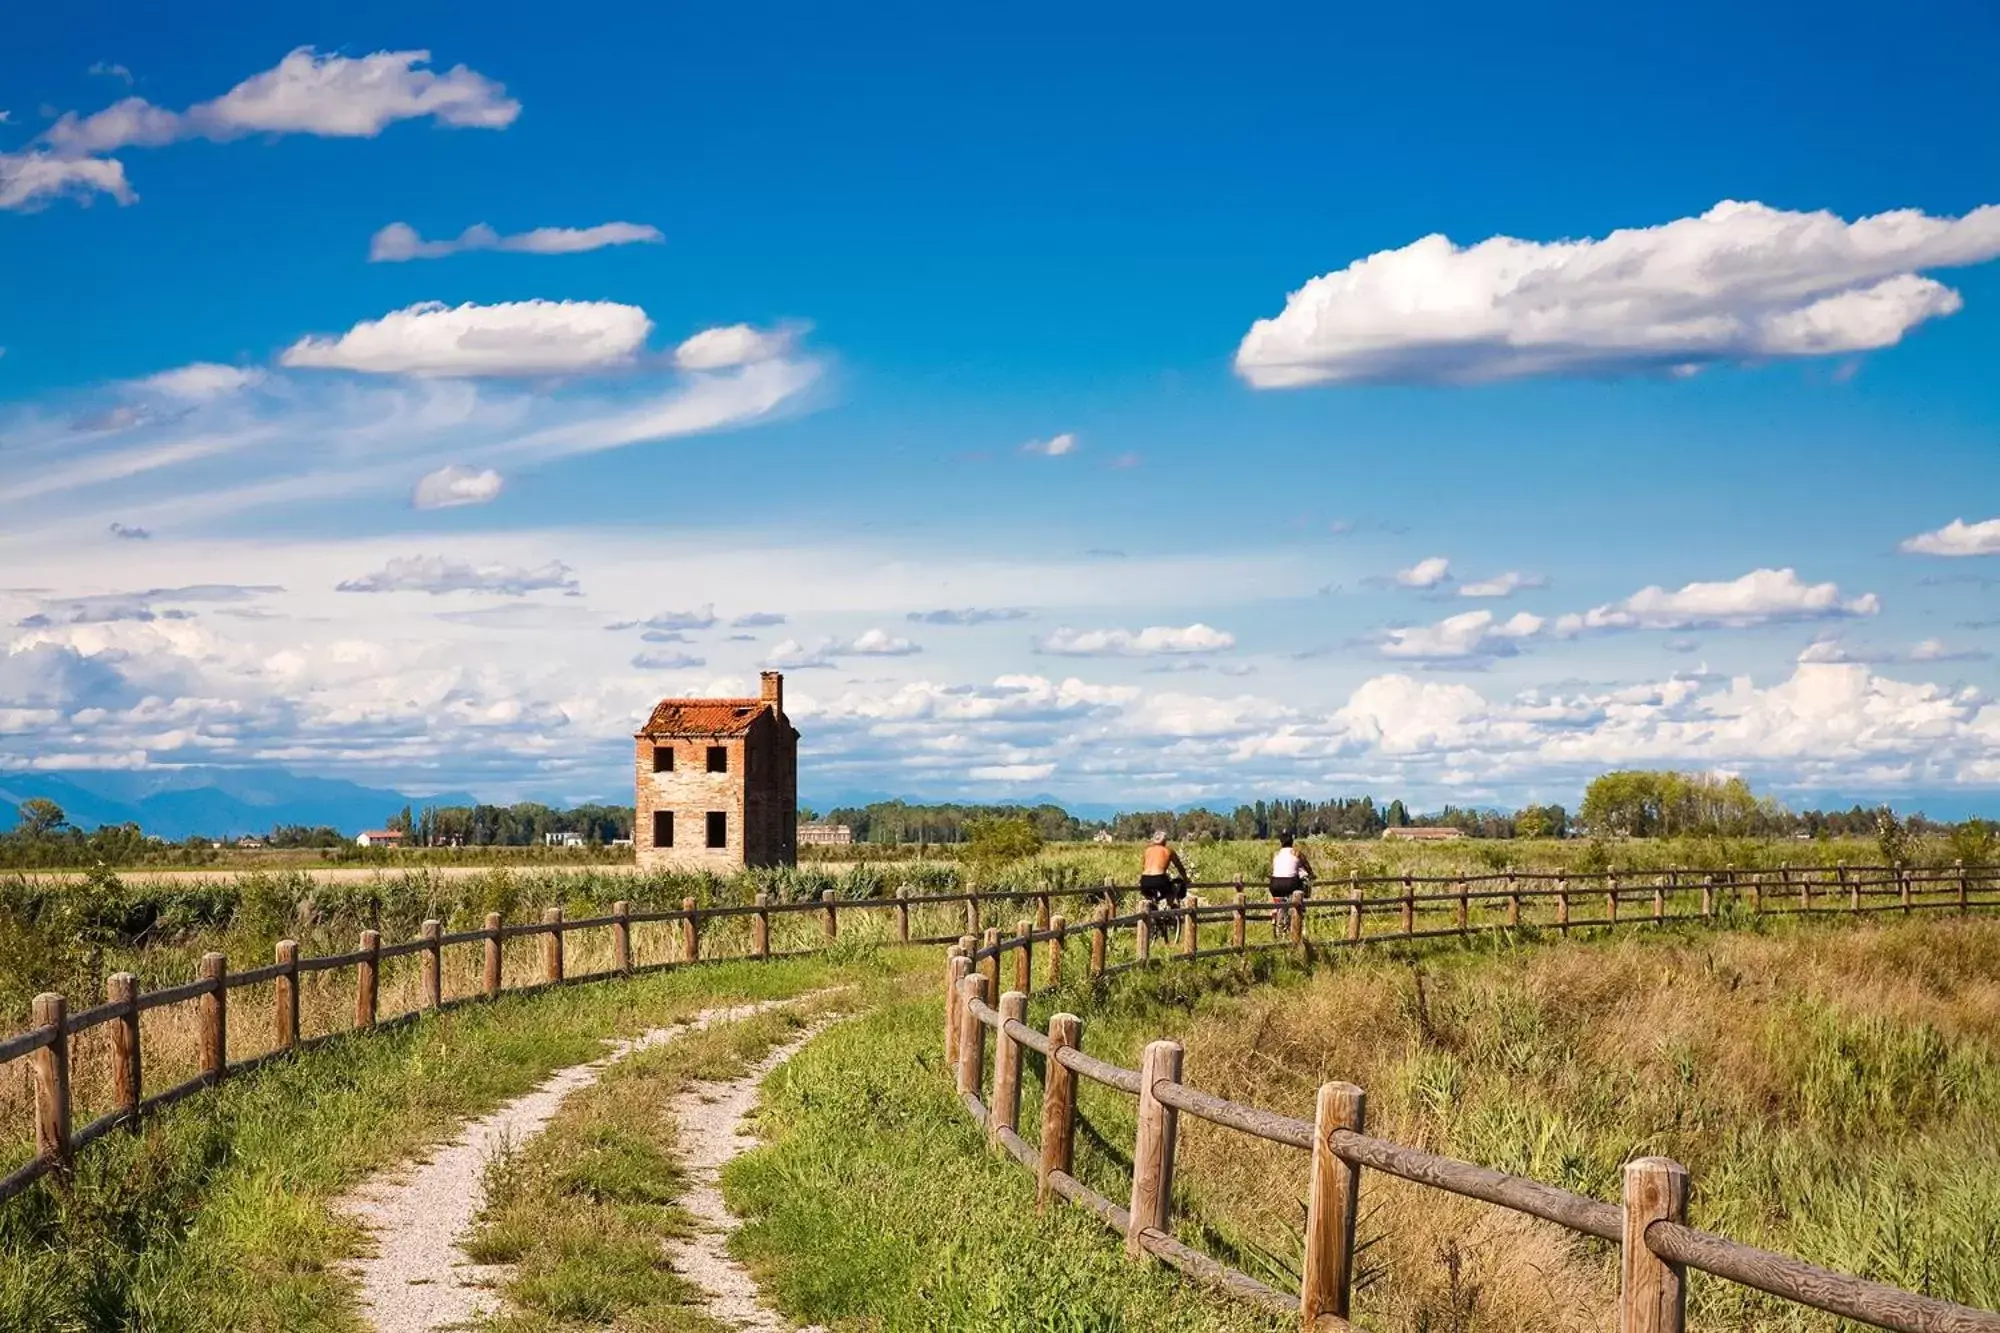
(691, 792)
(758, 793)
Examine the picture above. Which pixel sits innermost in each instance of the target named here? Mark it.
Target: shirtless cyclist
(1161, 872)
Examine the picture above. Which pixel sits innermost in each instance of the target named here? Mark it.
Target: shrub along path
(420, 1278)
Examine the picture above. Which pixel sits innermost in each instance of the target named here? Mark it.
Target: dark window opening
(718, 759)
(663, 828)
(718, 829)
(663, 758)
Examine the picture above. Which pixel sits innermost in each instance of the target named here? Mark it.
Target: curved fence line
(1656, 1246)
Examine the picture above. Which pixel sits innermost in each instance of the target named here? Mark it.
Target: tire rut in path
(712, 1132)
(420, 1279)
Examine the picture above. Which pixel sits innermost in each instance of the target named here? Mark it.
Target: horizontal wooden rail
(1656, 1244)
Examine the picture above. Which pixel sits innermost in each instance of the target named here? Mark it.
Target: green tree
(1001, 840)
(41, 817)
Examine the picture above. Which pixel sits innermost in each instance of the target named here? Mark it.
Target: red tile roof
(703, 717)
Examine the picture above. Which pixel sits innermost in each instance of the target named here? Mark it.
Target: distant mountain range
(213, 802)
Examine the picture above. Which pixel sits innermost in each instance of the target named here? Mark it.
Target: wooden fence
(1657, 1248)
(695, 932)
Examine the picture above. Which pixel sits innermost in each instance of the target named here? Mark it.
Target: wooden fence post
(621, 936)
(829, 915)
(1058, 1105)
(1659, 900)
(690, 932)
(122, 989)
(552, 944)
(49, 1067)
(1464, 909)
(1652, 1293)
(367, 979)
(1708, 895)
(972, 914)
(1007, 1066)
(285, 997)
(1513, 903)
(1805, 891)
(1191, 926)
(215, 1017)
(1562, 903)
(433, 964)
(1331, 1207)
(1356, 896)
(1964, 889)
(1298, 921)
(1239, 925)
(1611, 899)
(1057, 924)
(1903, 881)
(903, 915)
(1142, 932)
(991, 965)
(494, 953)
(971, 1034)
(1024, 959)
(1043, 911)
(760, 927)
(1409, 907)
(956, 966)
(1153, 1148)
(1853, 890)
(1099, 940)
(1756, 892)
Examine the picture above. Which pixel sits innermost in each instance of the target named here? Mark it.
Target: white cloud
(30, 180)
(109, 70)
(1937, 650)
(705, 618)
(307, 92)
(510, 338)
(1471, 634)
(1426, 573)
(1761, 597)
(451, 486)
(1053, 447)
(758, 620)
(1010, 772)
(1742, 282)
(792, 655)
(657, 661)
(1501, 585)
(1152, 641)
(399, 240)
(436, 575)
(1957, 538)
(876, 643)
(203, 380)
(967, 615)
(732, 345)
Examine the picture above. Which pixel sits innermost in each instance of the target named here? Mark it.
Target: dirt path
(712, 1132)
(419, 1279)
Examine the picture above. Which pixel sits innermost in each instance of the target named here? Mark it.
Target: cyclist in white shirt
(1290, 874)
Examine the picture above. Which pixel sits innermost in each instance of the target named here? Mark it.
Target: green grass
(216, 1217)
(875, 1205)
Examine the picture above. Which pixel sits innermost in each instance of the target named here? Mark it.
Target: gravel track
(419, 1279)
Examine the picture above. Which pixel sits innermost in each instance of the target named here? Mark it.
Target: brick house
(716, 783)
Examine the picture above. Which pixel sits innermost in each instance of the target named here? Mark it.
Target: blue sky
(1322, 501)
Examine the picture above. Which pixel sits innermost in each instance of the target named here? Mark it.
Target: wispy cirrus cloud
(399, 241)
(1502, 585)
(1741, 282)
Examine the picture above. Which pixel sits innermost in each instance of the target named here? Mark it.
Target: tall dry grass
(1834, 1092)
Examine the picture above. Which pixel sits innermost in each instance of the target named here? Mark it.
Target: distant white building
(825, 835)
(562, 840)
(379, 837)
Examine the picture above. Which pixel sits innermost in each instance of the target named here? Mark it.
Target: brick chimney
(774, 690)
